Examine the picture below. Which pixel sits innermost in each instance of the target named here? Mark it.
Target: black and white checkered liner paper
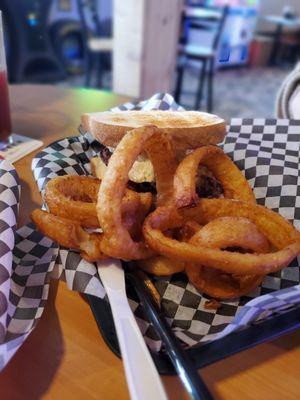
(267, 151)
(9, 202)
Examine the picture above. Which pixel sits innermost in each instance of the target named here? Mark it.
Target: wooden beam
(145, 46)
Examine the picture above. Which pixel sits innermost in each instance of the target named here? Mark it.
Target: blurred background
(228, 57)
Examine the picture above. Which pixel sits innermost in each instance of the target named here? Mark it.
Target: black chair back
(205, 19)
(221, 24)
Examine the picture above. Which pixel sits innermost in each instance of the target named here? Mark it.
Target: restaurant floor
(243, 92)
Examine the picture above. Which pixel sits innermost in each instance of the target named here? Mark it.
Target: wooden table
(65, 357)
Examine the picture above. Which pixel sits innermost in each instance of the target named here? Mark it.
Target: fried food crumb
(212, 304)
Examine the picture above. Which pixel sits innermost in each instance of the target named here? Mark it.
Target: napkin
(26, 262)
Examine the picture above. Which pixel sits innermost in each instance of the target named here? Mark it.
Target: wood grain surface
(65, 357)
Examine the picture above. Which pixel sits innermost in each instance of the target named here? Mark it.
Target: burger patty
(207, 186)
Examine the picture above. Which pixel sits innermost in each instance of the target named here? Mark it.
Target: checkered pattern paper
(9, 200)
(267, 151)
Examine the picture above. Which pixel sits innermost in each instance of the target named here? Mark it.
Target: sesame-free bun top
(187, 129)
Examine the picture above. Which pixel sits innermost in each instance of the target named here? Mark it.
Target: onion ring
(220, 233)
(220, 285)
(135, 208)
(75, 197)
(224, 232)
(277, 230)
(235, 185)
(98, 168)
(164, 266)
(161, 266)
(117, 241)
(69, 233)
(188, 230)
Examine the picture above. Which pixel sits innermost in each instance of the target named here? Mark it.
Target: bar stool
(200, 19)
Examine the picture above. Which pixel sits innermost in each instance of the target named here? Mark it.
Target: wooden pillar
(145, 46)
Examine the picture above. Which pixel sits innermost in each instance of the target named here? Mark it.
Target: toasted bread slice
(187, 129)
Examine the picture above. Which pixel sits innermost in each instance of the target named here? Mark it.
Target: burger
(187, 130)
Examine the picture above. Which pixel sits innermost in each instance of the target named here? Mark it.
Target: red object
(5, 121)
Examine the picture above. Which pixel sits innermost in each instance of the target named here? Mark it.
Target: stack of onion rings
(176, 230)
(72, 204)
(165, 218)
